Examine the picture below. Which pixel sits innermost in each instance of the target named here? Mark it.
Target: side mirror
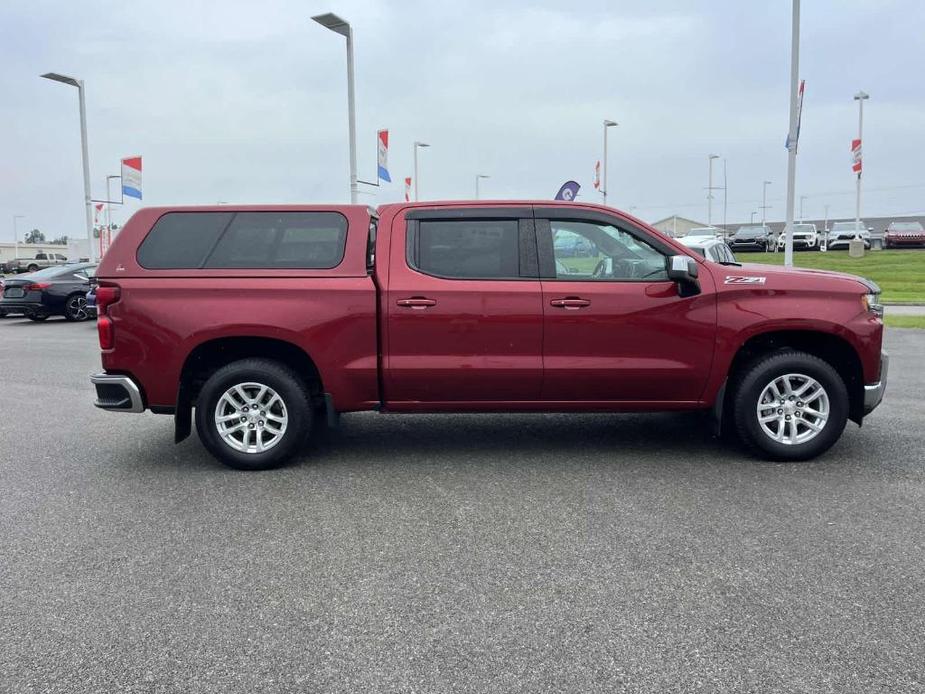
(684, 270)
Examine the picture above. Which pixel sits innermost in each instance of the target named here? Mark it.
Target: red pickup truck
(259, 318)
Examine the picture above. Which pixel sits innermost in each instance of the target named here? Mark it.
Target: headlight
(872, 303)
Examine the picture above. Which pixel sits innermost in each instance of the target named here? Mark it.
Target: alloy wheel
(793, 409)
(251, 417)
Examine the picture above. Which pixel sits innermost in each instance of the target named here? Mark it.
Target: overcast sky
(246, 101)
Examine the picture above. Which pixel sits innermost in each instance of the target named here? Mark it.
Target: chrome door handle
(571, 303)
(416, 302)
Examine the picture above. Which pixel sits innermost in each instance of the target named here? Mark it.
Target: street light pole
(764, 201)
(860, 97)
(754, 212)
(710, 159)
(607, 124)
(793, 133)
(477, 178)
(342, 26)
(416, 145)
(802, 198)
(16, 234)
(88, 204)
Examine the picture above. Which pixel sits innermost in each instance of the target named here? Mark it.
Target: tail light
(36, 286)
(106, 296)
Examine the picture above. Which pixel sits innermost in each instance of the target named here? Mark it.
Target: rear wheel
(76, 308)
(790, 405)
(253, 414)
(32, 268)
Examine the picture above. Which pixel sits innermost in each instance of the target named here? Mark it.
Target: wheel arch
(830, 347)
(210, 355)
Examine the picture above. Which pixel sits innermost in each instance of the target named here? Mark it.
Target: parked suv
(257, 318)
(900, 234)
(841, 234)
(752, 238)
(805, 236)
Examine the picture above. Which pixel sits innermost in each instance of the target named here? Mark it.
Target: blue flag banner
(383, 141)
(568, 191)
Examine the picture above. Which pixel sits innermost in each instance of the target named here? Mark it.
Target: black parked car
(54, 291)
(752, 238)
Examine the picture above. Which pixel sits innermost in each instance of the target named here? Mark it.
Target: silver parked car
(841, 234)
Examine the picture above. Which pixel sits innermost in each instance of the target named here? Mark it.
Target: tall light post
(416, 145)
(802, 198)
(860, 97)
(764, 201)
(752, 221)
(88, 204)
(725, 200)
(710, 159)
(109, 207)
(341, 26)
(16, 218)
(478, 177)
(792, 133)
(607, 124)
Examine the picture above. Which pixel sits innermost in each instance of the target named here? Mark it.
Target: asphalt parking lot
(451, 553)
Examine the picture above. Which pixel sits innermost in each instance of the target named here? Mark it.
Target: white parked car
(704, 233)
(804, 236)
(841, 234)
(713, 249)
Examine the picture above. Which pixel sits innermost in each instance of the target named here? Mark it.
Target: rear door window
(466, 249)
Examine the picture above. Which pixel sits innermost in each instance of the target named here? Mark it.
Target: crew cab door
(615, 327)
(463, 308)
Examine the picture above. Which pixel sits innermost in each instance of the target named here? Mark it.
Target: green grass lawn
(900, 274)
(904, 321)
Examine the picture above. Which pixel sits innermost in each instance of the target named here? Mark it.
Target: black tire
(37, 317)
(75, 308)
(32, 268)
(750, 386)
(291, 390)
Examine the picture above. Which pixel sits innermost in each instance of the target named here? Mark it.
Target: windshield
(751, 231)
(702, 231)
(906, 226)
(803, 227)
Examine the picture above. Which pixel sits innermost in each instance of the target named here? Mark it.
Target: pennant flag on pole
(796, 140)
(383, 137)
(99, 208)
(856, 156)
(131, 177)
(568, 191)
(597, 175)
(408, 189)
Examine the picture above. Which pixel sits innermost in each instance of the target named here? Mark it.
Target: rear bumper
(26, 308)
(117, 393)
(873, 393)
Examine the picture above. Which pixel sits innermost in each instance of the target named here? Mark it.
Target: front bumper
(117, 393)
(873, 393)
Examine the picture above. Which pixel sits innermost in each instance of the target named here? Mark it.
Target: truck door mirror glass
(684, 270)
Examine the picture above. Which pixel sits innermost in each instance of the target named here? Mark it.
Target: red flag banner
(597, 176)
(856, 156)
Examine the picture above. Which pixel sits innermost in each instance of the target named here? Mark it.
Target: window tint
(181, 240)
(589, 251)
(466, 249)
(305, 240)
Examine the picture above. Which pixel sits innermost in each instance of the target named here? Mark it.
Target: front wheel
(253, 414)
(790, 405)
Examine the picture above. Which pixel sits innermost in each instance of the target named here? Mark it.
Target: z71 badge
(740, 279)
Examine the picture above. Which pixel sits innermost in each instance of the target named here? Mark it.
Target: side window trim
(528, 264)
